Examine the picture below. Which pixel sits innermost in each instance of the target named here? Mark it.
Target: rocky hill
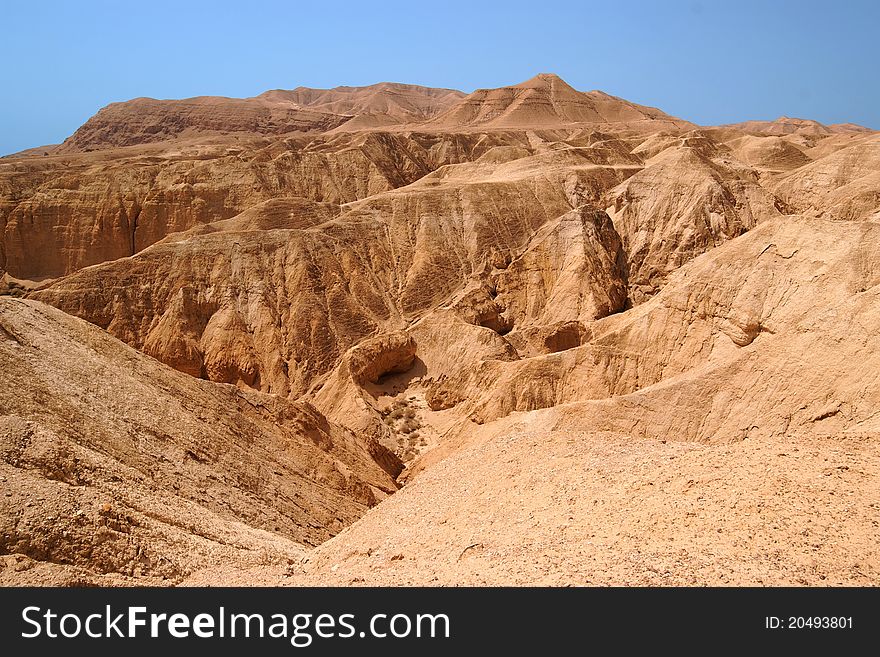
(116, 466)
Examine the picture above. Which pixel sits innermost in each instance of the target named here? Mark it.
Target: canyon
(404, 335)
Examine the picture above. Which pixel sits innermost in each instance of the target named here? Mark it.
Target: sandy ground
(567, 508)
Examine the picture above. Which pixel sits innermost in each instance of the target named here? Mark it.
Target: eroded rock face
(503, 227)
(379, 357)
(352, 388)
(712, 319)
(680, 205)
(62, 213)
(574, 269)
(275, 308)
(843, 185)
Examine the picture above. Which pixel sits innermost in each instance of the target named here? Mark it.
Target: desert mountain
(147, 120)
(277, 112)
(786, 125)
(386, 103)
(546, 100)
(583, 334)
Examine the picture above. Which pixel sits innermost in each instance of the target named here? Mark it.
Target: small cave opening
(403, 374)
(568, 336)
(491, 318)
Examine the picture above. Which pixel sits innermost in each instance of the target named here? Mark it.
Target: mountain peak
(544, 81)
(545, 101)
(794, 120)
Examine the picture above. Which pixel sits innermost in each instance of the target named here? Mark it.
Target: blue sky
(709, 62)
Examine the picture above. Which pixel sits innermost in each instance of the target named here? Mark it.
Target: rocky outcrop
(373, 359)
(574, 269)
(350, 392)
(680, 205)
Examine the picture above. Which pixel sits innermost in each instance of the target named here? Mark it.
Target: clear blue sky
(707, 61)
